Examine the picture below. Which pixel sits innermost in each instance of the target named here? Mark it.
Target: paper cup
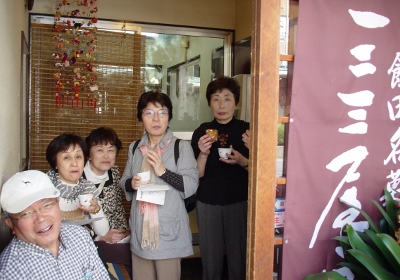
(223, 151)
(145, 176)
(84, 199)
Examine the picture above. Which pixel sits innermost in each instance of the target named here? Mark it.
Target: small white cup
(223, 151)
(145, 176)
(84, 199)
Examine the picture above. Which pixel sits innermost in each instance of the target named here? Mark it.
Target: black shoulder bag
(190, 202)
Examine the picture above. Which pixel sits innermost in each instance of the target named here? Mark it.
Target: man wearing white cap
(43, 248)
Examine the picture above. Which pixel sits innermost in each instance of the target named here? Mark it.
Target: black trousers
(222, 229)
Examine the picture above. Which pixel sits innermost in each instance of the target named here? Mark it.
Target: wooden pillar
(263, 124)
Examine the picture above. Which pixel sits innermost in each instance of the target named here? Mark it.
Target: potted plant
(374, 253)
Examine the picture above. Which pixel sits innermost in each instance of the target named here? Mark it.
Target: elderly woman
(161, 234)
(66, 155)
(222, 193)
(103, 145)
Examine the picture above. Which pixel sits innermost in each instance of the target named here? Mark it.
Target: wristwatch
(95, 212)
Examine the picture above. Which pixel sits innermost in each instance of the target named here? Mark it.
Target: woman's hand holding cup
(142, 178)
(88, 203)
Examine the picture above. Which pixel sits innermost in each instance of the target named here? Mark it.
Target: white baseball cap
(25, 188)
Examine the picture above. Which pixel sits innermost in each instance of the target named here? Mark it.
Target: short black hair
(61, 144)
(153, 97)
(223, 83)
(103, 135)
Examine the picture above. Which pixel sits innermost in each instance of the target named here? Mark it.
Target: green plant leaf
(349, 258)
(331, 275)
(384, 226)
(343, 239)
(390, 207)
(385, 215)
(372, 265)
(357, 243)
(392, 246)
(366, 238)
(386, 253)
(358, 270)
(368, 218)
(371, 254)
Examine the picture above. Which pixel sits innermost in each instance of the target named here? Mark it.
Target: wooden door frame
(264, 126)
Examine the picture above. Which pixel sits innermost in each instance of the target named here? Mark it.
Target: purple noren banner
(344, 132)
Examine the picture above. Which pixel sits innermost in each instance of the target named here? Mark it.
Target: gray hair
(5, 215)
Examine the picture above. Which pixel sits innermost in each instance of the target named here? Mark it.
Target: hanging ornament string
(75, 52)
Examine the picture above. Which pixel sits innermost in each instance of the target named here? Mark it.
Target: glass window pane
(186, 64)
(180, 61)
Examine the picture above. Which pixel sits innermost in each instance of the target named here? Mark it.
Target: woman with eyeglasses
(159, 223)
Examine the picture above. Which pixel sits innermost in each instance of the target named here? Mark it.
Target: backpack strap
(176, 149)
(135, 146)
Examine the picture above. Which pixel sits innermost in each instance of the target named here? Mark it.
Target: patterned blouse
(111, 200)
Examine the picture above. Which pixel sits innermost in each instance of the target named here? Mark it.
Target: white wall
(204, 13)
(13, 20)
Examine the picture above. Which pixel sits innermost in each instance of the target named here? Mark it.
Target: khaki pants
(168, 269)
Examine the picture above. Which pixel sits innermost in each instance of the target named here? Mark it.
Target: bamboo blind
(120, 81)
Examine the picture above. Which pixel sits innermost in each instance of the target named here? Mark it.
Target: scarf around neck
(71, 192)
(91, 176)
(150, 227)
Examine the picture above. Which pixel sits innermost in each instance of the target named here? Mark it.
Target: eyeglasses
(45, 208)
(150, 113)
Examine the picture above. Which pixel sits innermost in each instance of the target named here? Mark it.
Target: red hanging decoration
(75, 50)
(94, 105)
(57, 96)
(76, 94)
